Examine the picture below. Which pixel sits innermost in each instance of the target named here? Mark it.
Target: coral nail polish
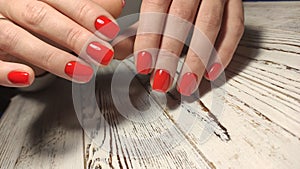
(144, 62)
(188, 84)
(161, 81)
(78, 71)
(17, 77)
(100, 53)
(106, 27)
(214, 72)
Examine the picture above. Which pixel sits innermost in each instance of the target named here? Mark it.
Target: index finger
(151, 24)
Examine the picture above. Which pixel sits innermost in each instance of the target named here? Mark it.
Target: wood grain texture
(261, 111)
(258, 126)
(122, 143)
(273, 15)
(41, 132)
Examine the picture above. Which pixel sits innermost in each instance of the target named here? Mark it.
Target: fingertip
(144, 62)
(78, 72)
(161, 80)
(100, 52)
(16, 75)
(188, 84)
(214, 72)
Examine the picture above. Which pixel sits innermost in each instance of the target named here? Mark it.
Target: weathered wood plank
(13, 128)
(127, 144)
(262, 103)
(259, 127)
(42, 132)
(261, 111)
(273, 15)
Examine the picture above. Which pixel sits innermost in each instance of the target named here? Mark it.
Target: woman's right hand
(81, 26)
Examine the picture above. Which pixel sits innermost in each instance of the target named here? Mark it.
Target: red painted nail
(78, 71)
(214, 72)
(107, 27)
(100, 53)
(188, 84)
(17, 77)
(144, 62)
(161, 81)
(123, 3)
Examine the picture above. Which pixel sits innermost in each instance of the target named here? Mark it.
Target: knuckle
(72, 36)
(210, 20)
(238, 27)
(226, 52)
(8, 37)
(156, 3)
(84, 9)
(194, 58)
(184, 13)
(34, 13)
(151, 38)
(48, 59)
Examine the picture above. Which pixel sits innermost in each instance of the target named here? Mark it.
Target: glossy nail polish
(18, 77)
(188, 84)
(100, 53)
(161, 81)
(214, 72)
(78, 71)
(144, 62)
(106, 27)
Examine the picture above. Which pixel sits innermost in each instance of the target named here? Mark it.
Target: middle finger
(206, 30)
(178, 24)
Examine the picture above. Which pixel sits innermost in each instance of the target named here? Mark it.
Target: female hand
(62, 26)
(218, 21)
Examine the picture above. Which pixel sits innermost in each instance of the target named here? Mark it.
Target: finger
(90, 15)
(15, 74)
(114, 7)
(43, 19)
(42, 78)
(179, 21)
(9, 58)
(14, 40)
(151, 24)
(206, 30)
(230, 35)
(124, 43)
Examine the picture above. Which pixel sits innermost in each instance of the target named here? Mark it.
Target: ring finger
(147, 41)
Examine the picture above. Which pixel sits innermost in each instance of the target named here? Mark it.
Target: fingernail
(144, 62)
(188, 84)
(161, 81)
(107, 27)
(17, 77)
(78, 71)
(100, 53)
(123, 3)
(214, 72)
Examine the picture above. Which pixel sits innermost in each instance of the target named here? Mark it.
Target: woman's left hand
(221, 22)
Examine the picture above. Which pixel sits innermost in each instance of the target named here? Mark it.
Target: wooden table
(259, 126)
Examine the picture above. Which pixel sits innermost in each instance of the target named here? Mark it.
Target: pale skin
(221, 21)
(68, 24)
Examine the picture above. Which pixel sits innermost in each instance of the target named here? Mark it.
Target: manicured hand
(40, 33)
(217, 23)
